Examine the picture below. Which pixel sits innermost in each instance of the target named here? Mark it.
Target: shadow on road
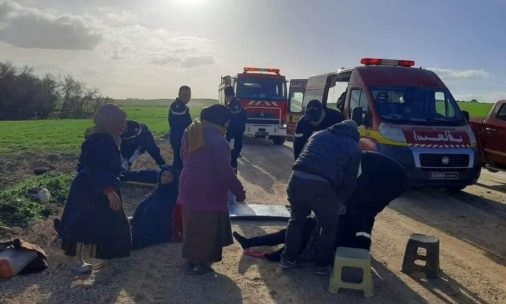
(302, 285)
(447, 289)
(263, 164)
(471, 223)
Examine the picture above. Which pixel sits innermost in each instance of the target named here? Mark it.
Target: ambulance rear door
(295, 107)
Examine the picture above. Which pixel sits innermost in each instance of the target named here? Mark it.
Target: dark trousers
(355, 230)
(236, 150)
(177, 162)
(307, 195)
(271, 239)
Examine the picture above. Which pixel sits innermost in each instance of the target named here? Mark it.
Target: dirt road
(471, 226)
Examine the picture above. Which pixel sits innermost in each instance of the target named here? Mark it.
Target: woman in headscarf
(152, 219)
(94, 222)
(205, 180)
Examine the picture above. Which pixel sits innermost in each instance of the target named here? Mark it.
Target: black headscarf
(217, 114)
(170, 190)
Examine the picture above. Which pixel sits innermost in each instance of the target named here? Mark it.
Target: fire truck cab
(408, 114)
(263, 95)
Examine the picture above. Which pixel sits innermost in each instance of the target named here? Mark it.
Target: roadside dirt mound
(19, 166)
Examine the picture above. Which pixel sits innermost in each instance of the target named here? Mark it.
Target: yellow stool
(353, 258)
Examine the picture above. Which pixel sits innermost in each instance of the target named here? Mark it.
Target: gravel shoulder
(470, 225)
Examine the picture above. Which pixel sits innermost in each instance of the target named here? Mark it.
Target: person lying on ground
(135, 140)
(94, 222)
(381, 180)
(152, 220)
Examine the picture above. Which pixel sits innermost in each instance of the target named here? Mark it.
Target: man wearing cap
(323, 178)
(179, 120)
(316, 117)
(135, 140)
(237, 125)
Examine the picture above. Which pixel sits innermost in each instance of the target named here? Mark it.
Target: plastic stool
(353, 258)
(431, 245)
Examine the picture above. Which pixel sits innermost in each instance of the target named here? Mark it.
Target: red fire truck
(263, 95)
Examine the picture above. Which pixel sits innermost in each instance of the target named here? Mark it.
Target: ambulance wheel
(278, 140)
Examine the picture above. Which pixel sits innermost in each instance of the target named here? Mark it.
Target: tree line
(23, 95)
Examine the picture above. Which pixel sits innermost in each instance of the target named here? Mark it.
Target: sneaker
(82, 268)
(287, 264)
(323, 270)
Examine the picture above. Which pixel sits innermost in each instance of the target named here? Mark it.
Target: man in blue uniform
(179, 120)
(316, 117)
(237, 125)
(135, 140)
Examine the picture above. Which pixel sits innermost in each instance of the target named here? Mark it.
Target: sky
(147, 49)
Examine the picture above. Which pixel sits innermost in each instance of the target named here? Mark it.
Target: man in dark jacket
(381, 180)
(179, 120)
(316, 117)
(323, 178)
(135, 140)
(237, 125)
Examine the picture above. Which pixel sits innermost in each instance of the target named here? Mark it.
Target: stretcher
(258, 212)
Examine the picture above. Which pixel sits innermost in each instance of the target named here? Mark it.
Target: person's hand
(241, 198)
(114, 201)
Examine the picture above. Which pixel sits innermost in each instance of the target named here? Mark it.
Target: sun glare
(190, 2)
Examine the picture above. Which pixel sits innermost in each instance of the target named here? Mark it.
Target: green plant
(18, 209)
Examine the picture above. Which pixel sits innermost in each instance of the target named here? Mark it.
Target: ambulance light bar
(390, 62)
(270, 70)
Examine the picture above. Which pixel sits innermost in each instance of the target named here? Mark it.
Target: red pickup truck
(491, 137)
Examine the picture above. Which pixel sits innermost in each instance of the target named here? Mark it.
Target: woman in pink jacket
(205, 180)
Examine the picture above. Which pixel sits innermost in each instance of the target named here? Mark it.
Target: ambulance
(408, 114)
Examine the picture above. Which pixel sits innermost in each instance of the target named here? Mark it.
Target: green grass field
(476, 110)
(66, 135)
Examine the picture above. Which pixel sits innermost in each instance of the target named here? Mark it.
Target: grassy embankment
(61, 136)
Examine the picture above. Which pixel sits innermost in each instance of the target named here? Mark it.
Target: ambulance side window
(359, 99)
(443, 107)
(296, 102)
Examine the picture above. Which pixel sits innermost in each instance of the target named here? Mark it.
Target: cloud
(191, 62)
(123, 18)
(460, 74)
(32, 28)
(136, 43)
(165, 60)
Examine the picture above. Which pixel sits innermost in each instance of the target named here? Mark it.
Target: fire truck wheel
(278, 140)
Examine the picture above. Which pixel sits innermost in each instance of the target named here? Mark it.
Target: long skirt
(205, 233)
(88, 219)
